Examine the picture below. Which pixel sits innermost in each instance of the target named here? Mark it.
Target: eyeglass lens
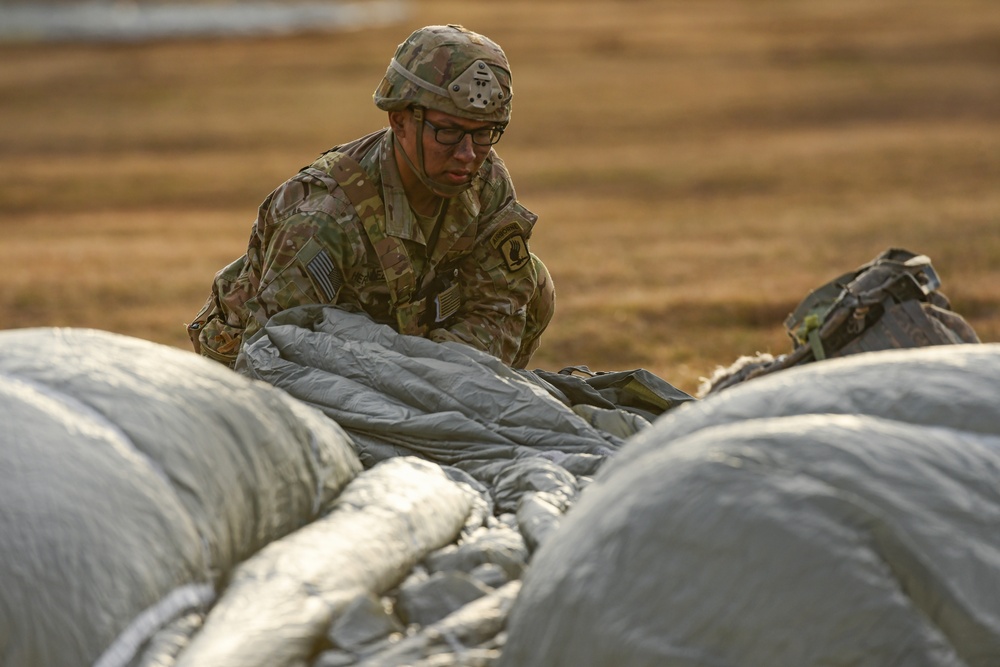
(486, 136)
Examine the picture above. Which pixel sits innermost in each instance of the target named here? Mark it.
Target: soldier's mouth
(458, 177)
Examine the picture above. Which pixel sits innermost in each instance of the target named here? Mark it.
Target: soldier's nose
(465, 150)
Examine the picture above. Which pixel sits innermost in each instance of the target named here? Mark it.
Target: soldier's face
(452, 164)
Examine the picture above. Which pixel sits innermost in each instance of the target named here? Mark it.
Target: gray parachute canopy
(402, 395)
(133, 478)
(840, 513)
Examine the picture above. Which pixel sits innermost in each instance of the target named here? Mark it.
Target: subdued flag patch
(447, 303)
(325, 274)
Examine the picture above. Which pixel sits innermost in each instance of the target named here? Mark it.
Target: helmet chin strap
(440, 189)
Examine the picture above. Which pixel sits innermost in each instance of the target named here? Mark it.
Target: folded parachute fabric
(406, 395)
(838, 513)
(133, 478)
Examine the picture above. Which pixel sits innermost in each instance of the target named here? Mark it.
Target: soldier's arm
(292, 259)
(303, 244)
(496, 282)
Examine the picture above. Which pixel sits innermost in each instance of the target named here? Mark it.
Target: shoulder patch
(501, 235)
(515, 251)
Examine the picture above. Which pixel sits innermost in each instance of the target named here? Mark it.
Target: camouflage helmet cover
(450, 69)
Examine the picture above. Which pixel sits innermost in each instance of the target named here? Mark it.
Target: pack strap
(392, 256)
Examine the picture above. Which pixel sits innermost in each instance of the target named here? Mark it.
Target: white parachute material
(840, 513)
(133, 478)
(280, 601)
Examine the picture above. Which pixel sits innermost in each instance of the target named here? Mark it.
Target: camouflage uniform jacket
(309, 245)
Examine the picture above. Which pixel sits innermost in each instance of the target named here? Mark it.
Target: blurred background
(698, 167)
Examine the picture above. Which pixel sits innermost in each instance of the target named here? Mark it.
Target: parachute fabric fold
(406, 395)
(133, 477)
(843, 512)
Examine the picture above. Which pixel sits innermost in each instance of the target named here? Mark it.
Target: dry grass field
(697, 167)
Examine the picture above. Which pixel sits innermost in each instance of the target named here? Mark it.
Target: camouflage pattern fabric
(540, 310)
(397, 270)
(309, 245)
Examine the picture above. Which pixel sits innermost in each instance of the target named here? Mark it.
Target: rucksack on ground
(893, 301)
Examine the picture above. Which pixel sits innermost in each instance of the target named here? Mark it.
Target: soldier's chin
(449, 190)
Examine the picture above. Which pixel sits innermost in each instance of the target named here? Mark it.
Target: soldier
(416, 224)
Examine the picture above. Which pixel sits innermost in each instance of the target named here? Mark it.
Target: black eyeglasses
(449, 136)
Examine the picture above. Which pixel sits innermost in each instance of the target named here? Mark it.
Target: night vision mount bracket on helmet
(475, 89)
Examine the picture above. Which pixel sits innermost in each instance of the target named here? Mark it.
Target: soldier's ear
(397, 122)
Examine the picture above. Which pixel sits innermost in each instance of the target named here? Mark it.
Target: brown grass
(698, 167)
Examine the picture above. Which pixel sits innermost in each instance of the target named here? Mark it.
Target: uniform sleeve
(496, 280)
(292, 259)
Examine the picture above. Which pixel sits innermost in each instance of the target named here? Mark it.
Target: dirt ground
(697, 167)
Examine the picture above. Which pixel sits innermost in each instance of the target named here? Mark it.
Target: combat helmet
(451, 69)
